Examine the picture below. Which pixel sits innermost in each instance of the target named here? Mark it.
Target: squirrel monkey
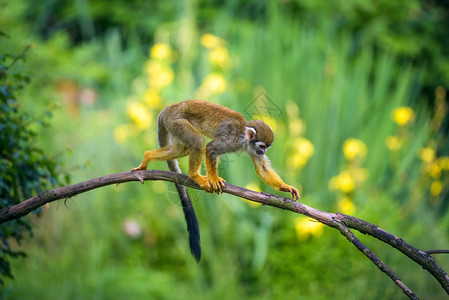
(181, 130)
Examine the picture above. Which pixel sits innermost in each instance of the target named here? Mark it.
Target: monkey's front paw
(291, 190)
(217, 184)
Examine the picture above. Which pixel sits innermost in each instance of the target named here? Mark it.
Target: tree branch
(342, 223)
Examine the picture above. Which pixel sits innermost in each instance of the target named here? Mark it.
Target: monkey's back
(206, 117)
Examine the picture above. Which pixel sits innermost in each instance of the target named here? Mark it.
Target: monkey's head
(260, 136)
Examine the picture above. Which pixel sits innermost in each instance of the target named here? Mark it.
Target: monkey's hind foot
(138, 168)
(217, 184)
(203, 182)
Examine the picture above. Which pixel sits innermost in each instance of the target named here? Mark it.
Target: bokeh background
(355, 91)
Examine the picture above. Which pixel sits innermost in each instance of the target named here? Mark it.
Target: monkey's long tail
(187, 207)
(191, 220)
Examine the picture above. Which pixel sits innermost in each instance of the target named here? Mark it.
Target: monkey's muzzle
(260, 152)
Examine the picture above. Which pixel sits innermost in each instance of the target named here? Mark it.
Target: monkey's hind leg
(169, 152)
(217, 183)
(195, 158)
(184, 132)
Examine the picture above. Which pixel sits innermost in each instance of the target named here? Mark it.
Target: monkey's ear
(250, 133)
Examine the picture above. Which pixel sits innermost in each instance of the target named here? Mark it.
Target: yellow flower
(254, 186)
(139, 114)
(160, 75)
(161, 51)
(394, 143)
(436, 187)
(443, 162)
(292, 109)
(152, 98)
(211, 41)
(304, 147)
(303, 151)
(346, 206)
(353, 148)
(219, 57)
(296, 127)
(154, 67)
(214, 83)
(164, 79)
(121, 133)
(306, 227)
(434, 170)
(426, 154)
(403, 115)
(298, 161)
(346, 182)
(343, 182)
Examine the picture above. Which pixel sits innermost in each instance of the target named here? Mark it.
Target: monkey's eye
(261, 145)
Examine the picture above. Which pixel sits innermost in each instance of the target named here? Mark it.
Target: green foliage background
(345, 64)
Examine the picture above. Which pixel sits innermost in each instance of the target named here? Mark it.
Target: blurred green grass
(81, 249)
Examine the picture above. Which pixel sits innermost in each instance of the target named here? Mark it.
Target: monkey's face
(260, 148)
(257, 147)
(259, 136)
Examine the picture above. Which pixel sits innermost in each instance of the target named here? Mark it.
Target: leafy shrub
(25, 170)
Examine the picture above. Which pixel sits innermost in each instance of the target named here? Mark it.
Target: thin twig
(344, 230)
(21, 55)
(436, 251)
(338, 221)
